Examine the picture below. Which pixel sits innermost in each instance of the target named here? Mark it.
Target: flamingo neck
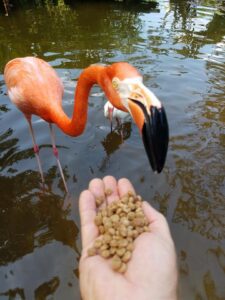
(75, 126)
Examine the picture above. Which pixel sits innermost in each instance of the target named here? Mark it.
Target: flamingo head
(146, 111)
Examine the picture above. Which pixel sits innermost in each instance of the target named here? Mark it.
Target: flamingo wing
(33, 86)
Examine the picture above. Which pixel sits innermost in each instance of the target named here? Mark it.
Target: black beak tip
(155, 134)
(159, 168)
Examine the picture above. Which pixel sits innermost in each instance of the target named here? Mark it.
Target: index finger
(125, 186)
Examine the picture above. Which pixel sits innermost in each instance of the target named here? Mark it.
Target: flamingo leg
(56, 154)
(110, 113)
(36, 149)
(120, 126)
(118, 122)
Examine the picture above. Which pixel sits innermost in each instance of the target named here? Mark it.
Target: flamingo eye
(115, 83)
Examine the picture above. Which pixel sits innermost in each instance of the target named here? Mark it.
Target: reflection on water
(113, 141)
(47, 288)
(179, 46)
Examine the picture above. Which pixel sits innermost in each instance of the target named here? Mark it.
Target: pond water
(179, 47)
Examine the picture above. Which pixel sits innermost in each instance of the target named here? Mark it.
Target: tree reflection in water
(29, 217)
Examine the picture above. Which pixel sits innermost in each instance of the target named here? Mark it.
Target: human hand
(152, 270)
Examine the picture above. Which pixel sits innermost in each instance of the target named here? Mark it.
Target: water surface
(179, 47)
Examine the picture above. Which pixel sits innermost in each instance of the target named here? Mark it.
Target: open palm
(152, 271)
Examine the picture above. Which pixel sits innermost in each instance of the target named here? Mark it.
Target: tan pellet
(98, 243)
(127, 256)
(105, 253)
(99, 200)
(130, 247)
(115, 218)
(108, 192)
(116, 263)
(120, 252)
(122, 268)
(91, 251)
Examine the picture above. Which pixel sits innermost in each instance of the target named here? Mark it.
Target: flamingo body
(34, 87)
(111, 112)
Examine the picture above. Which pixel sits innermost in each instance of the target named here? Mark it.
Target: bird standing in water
(110, 112)
(34, 87)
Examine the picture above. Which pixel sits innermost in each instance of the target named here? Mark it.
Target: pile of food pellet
(119, 224)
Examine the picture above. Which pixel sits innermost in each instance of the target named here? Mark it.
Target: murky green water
(179, 46)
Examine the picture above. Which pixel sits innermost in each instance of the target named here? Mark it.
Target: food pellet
(112, 251)
(92, 251)
(119, 224)
(98, 243)
(123, 243)
(114, 218)
(130, 247)
(99, 200)
(126, 257)
(98, 220)
(116, 263)
(108, 192)
(105, 253)
(120, 252)
(101, 229)
(123, 268)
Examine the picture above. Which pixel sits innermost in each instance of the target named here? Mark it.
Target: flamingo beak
(153, 126)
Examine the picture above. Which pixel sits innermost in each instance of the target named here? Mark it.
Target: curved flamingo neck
(75, 126)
